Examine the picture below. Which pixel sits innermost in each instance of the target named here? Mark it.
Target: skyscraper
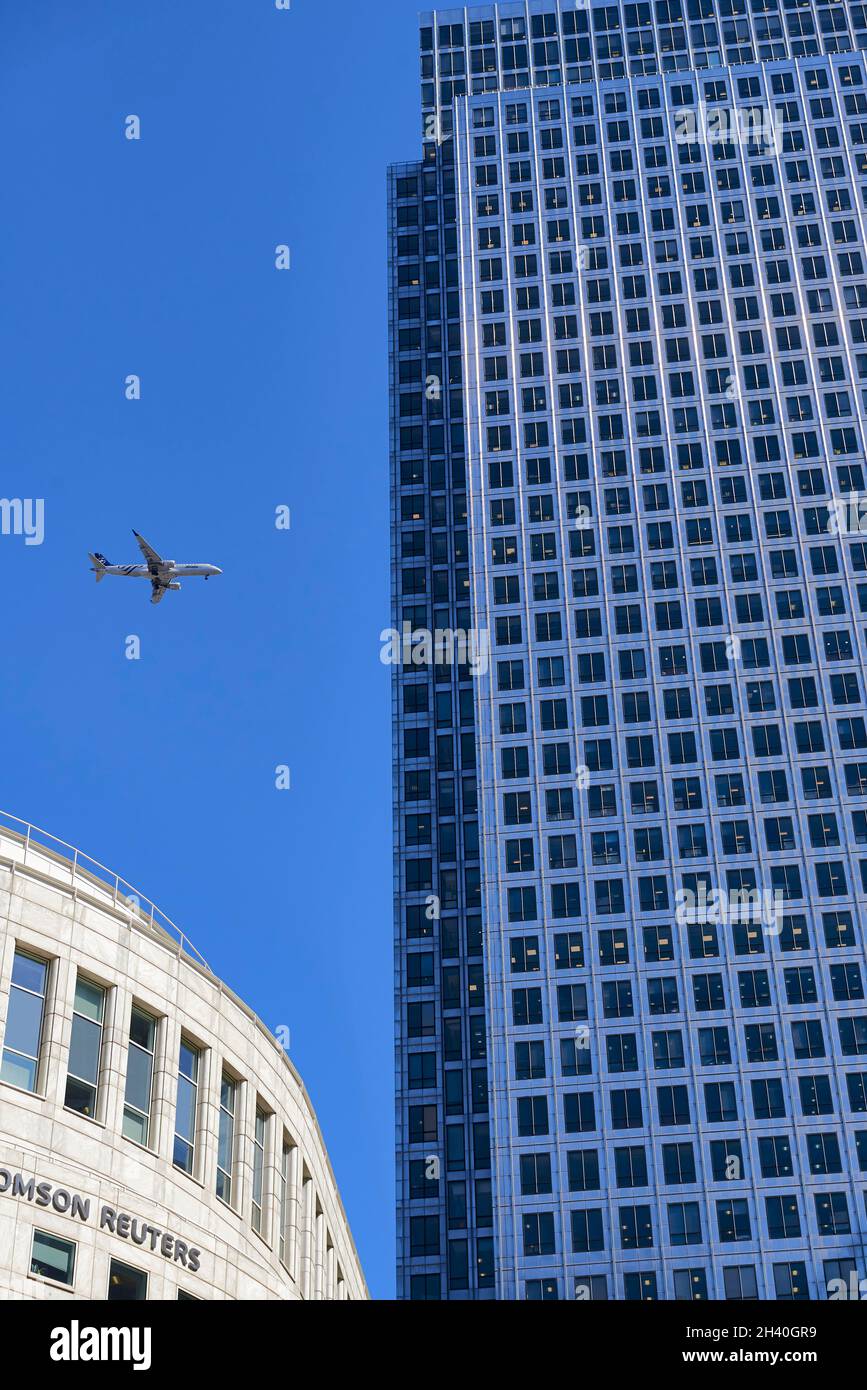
(629, 347)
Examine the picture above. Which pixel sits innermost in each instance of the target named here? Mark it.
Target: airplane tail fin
(99, 564)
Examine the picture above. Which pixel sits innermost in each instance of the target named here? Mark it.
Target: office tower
(632, 1044)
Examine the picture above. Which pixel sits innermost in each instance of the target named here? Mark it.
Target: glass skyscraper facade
(628, 307)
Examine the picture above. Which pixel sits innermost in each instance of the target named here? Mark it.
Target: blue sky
(259, 388)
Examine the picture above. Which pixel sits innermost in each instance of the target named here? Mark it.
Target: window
(85, 1048)
(226, 1138)
(20, 1065)
(541, 1290)
(741, 1283)
(684, 1223)
(424, 1235)
(640, 1287)
(186, 1107)
(690, 1284)
(259, 1132)
(790, 1282)
(832, 1214)
(125, 1284)
(139, 1076)
(53, 1258)
(590, 1287)
(538, 1230)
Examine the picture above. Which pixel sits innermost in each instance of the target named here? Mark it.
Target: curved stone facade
(152, 1088)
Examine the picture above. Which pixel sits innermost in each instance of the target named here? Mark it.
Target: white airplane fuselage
(169, 570)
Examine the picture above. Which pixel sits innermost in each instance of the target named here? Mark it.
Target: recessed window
(226, 1139)
(125, 1284)
(139, 1076)
(258, 1168)
(53, 1258)
(186, 1107)
(20, 1065)
(85, 1048)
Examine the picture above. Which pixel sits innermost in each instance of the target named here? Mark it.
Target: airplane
(163, 574)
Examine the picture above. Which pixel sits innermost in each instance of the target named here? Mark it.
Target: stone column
(208, 1121)
(164, 1092)
(115, 1045)
(293, 1214)
(308, 1235)
(56, 1031)
(319, 1286)
(271, 1182)
(245, 1117)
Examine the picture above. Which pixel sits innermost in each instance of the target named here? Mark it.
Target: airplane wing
(153, 559)
(157, 590)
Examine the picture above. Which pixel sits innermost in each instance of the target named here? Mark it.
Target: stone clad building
(155, 1139)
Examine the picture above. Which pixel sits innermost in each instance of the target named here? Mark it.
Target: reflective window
(53, 1258)
(20, 1065)
(226, 1139)
(258, 1168)
(186, 1107)
(139, 1076)
(85, 1047)
(125, 1284)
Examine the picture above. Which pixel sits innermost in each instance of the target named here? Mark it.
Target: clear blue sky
(259, 388)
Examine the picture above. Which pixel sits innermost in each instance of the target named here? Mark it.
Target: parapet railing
(65, 863)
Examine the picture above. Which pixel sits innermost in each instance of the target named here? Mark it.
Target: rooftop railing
(68, 865)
